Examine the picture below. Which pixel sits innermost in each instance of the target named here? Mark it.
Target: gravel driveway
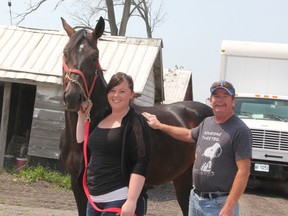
(18, 197)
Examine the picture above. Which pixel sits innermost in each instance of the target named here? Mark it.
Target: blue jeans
(207, 207)
(141, 207)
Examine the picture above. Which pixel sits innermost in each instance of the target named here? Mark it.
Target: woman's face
(119, 96)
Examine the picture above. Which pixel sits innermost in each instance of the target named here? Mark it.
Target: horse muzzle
(73, 101)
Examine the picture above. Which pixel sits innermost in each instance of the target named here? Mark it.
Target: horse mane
(102, 79)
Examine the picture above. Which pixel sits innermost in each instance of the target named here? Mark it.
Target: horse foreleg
(183, 186)
(79, 196)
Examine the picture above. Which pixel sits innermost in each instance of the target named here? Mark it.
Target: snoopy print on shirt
(211, 153)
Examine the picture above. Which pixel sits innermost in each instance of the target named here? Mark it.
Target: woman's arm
(138, 149)
(135, 187)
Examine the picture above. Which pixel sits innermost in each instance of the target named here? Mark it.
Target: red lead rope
(116, 210)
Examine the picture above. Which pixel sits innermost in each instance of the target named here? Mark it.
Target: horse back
(186, 114)
(170, 157)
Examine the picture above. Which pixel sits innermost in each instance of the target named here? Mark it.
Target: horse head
(81, 65)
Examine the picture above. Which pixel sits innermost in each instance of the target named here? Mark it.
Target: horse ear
(99, 29)
(69, 30)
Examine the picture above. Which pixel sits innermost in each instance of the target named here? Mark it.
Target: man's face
(222, 103)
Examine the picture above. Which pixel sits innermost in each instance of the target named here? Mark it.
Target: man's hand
(180, 133)
(152, 120)
(227, 211)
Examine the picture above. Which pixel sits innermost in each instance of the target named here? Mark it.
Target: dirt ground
(18, 197)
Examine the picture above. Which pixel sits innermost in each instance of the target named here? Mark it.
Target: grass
(39, 173)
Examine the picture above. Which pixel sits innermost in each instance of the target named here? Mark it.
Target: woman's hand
(82, 115)
(128, 208)
(85, 109)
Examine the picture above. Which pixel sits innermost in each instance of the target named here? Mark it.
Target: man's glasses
(224, 85)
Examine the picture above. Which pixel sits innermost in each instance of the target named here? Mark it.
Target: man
(223, 155)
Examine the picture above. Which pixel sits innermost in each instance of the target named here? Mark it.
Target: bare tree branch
(86, 12)
(145, 12)
(32, 7)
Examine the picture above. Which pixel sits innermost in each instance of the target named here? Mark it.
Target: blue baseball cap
(222, 84)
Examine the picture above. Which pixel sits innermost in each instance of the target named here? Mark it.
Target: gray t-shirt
(218, 148)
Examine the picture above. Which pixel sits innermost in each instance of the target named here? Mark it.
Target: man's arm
(238, 186)
(179, 133)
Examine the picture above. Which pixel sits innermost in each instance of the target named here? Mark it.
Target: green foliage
(39, 173)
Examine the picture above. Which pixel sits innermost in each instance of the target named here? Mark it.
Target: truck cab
(267, 118)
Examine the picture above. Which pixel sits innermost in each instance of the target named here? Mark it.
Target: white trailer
(259, 73)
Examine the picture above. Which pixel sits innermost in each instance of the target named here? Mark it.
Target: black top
(104, 170)
(116, 153)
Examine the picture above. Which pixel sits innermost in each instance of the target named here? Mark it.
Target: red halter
(87, 93)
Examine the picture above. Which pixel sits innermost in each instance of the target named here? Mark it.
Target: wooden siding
(48, 122)
(147, 97)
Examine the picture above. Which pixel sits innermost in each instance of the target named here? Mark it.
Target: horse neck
(136, 107)
(99, 99)
(70, 124)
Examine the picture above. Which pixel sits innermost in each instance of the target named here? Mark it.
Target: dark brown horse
(171, 160)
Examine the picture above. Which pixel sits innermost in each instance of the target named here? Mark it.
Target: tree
(86, 12)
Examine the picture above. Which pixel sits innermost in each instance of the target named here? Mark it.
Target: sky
(192, 31)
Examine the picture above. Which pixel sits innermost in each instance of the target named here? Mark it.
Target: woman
(119, 149)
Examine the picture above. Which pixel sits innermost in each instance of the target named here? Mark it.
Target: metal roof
(35, 55)
(175, 84)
